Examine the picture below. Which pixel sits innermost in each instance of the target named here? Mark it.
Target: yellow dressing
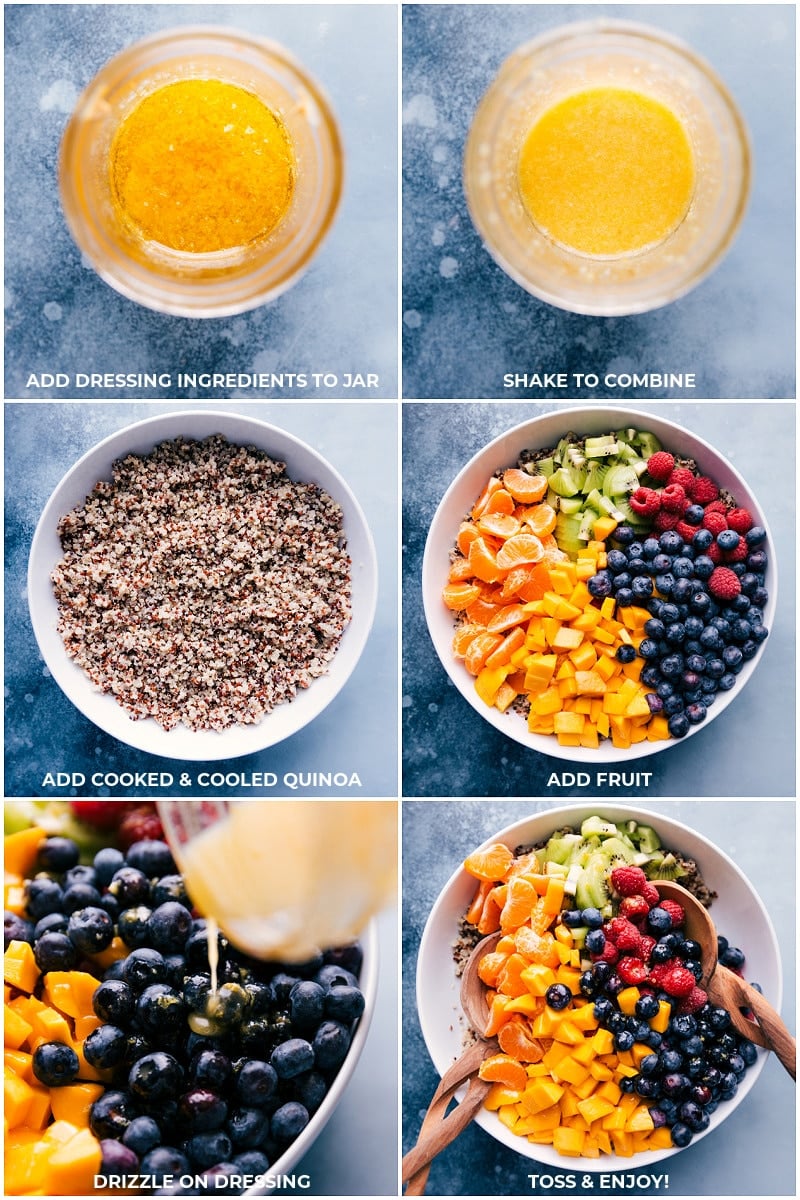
(284, 879)
(607, 172)
(201, 165)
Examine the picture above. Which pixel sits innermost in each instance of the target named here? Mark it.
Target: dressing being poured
(285, 879)
(201, 165)
(606, 172)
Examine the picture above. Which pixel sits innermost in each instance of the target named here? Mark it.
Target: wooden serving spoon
(438, 1129)
(728, 989)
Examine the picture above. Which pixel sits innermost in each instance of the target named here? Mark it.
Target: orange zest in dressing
(607, 172)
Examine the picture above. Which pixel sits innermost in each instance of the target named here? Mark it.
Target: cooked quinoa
(202, 585)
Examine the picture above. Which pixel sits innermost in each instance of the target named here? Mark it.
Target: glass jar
(571, 59)
(223, 281)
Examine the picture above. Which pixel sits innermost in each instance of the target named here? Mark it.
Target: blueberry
(682, 589)
(670, 542)
(152, 857)
(106, 1047)
(155, 1077)
(117, 1158)
(600, 585)
(623, 1040)
(344, 1004)
(91, 930)
(52, 923)
(572, 918)
(696, 713)
(748, 1052)
(648, 1089)
(676, 633)
(665, 583)
(130, 887)
(17, 929)
(642, 587)
(681, 1135)
(144, 967)
(169, 926)
(595, 941)
(678, 725)
(80, 874)
(210, 1069)
(80, 895)
(702, 539)
(204, 1110)
(248, 1127)
(683, 567)
(142, 1134)
(655, 629)
(55, 952)
(592, 917)
(732, 957)
(625, 653)
(646, 1007)
(256, 1083)
(558, 995)
(55, 1064)
(755, 535)
(654, 703)
(616, 561)
(650, 548)
(660, 563)
(625, 597)
(624, 535)
(330, 1045)
(43, 896)
(293, 1057)
(160, 1011)
(164, 1160)
(288, 1121)
(649, 650)
(106, 863)
(671, 666)
(603, 1007)
(650, 675)
(757, 561)
(307, 1000)
(57, 854)
(227, 1006)
(251, 1162)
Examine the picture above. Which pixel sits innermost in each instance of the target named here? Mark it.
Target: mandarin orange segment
(490, 917)
(490, 966)
(538, 583)
(467, 532)
(541, 519)
(475, 909)
(460, 571)
(516, 579)
(483, 561)
(509, 616)
(501, 525)
(520, 897)
(514, 640)
(479, 650)
(491, 863)
(502, 1068)
(493, 485)
(515, 1040)
(525, 488)
(500, 501)
(458, 596)
(518, 550)
(510, 982)
(482, 611)
(496, 1016)
(463, 637)
(541, 919)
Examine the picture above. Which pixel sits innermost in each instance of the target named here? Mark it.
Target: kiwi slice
(620, 481)
(592, 889)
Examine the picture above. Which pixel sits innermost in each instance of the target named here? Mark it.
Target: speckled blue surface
(342, 314)
(449, 750)
(44, 732)
(465, 323)
(752, 1154)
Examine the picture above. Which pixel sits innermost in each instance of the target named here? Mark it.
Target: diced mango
(19, 966)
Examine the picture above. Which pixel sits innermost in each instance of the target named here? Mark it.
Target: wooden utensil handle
(777, 1037)
(441, 1134)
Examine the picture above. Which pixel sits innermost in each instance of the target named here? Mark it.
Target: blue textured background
(753, 1153)
(449, 750)
(465, 323)
(44, 731)
(342, 313)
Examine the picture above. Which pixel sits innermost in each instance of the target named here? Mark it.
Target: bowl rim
(238, 740)
(433, 578)
(368, 983)
(576, 811)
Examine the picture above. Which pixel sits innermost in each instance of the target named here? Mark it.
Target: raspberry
(673, 498)
(628, 881)
(739, 553)
(100, 814)
(647, 947)
(694, 1001)
(714, 553)
(675, 911)
(608, 954)
(740, 520)
(686, 531)
(724, 584)
(665, 520)
(635, 908)
(660, 466)
(625, 936)
(645, 502)
(141, 824)
(659, 972)
(633, 970)
(677, 981)
(718, 506)
(703, 490)
(714, 521)
(650, 893)
(683, 477)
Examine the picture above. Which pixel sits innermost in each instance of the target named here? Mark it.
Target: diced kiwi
(648, 443)
(646, 838)
(601, 447)
(570, 504)
(617, 848)
(596, 825)
(592, 889)
(620, 481)
(545, 466)
(563, 482)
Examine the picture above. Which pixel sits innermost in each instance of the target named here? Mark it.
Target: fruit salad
(607, 1042)
(606, 589)
(120, 1057)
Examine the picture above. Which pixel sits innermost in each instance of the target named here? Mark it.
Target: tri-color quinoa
(202, 585)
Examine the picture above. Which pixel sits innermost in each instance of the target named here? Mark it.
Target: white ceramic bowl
(540, 433)
(368, 982)
(738, 913)
(303, 464)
